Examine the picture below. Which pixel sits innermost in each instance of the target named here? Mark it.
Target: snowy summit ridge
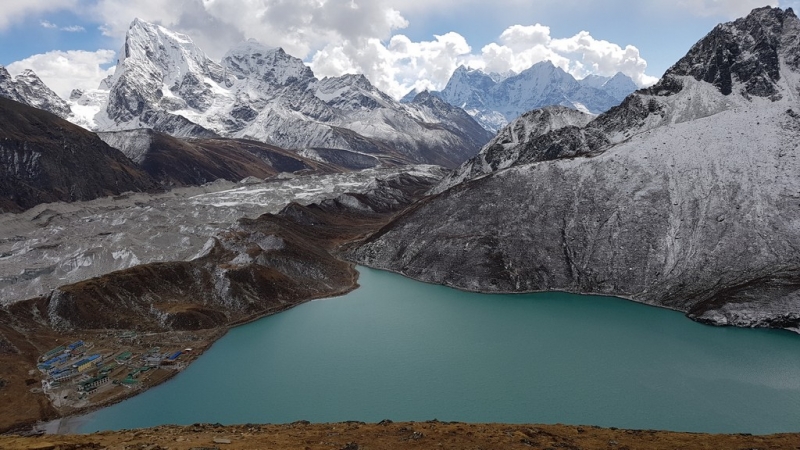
(28, 89)
(165, 82)
(495, 100)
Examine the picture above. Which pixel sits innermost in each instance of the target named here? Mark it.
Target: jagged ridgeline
(163, 81)
(494, 99)
(684, 196)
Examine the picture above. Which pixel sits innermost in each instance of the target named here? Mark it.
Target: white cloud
(70, 29)
(361, 36)
(65, 71)
(398, 66)
(401, 65)
(299, 26)
(15, 10)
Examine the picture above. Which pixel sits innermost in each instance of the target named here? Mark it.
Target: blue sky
(70, 42)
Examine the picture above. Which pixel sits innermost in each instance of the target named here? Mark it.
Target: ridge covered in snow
(495, 100)
(758, 60)
(165, 82)
(28, 89)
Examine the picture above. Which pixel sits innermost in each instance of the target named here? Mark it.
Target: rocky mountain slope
(45, 159)
(517, 143)
(28, 89)
(165, 82)
(494, 101)
(685, 196)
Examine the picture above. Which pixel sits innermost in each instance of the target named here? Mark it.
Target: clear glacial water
(403, 350)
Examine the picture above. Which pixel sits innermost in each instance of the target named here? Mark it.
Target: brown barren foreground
(387, 436)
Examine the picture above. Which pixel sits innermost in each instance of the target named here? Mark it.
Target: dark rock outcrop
(743, 51)
(45, 159)
(190, 162)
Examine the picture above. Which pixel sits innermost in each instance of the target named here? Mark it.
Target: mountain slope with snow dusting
(685, 196)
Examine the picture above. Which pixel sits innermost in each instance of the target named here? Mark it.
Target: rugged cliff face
(45, 159)
(518, 143)
(28, 89)
(685, 196)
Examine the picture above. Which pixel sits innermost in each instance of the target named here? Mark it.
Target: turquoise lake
(403, 350)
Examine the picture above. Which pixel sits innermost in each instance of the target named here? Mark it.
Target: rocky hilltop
(684, 196)
(192, 162)
(45, 159)
(517, 143)
(165, 82)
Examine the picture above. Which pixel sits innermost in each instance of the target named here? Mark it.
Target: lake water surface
(403, 350)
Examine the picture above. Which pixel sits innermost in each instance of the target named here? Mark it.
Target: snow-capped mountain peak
(166, 54)
(494, 100)
(27, 88)
(351, 92)
(164, 82)
(748, 69)
(595, 81)
(619, 86)
(272, 65)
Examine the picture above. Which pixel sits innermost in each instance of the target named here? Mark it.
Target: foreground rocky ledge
(387, 435)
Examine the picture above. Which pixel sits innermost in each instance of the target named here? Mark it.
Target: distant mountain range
(494, 100)
(163, 81)
(183, 118)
